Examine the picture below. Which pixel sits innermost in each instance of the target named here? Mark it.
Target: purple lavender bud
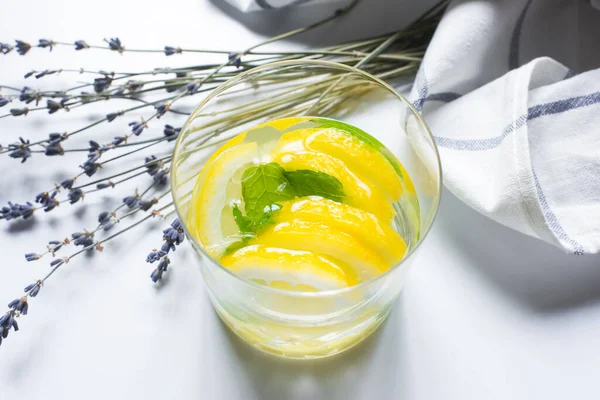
(93, 145)
(161, 177)
(90, 168)
(153, 168)
(171, 132)
(15, 112)
(29, 287)
(118, 140)
(145, 205)
(115, 44)
(55, 262)
(137, 127)
(111, 116)
(105, 185)
(54, 149)
(235, 59)
(192, 87)
(22, 47)
(161, 108)
(169, 51)
(43, 43)
(34, 292)
(67, 183)
(5, 48)
(75, 195)
(130, 201)
(176, 224)
(53, 106)
(100, 84)
(32, 256)
(80, 45)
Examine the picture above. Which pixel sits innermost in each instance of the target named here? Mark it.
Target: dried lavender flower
(75, 195)
(101, 84)
(137, 127)
(235, 59)
(83, 239)
(169, 51)
(16, 112)
(171, 132)
(80, 45)
(53, 106)
(43, 43)
(161, 108)
(15, 210)
(32, 256)
(22, 47)
(20, 149)
(115, 44)
(5, 48)
(68, 183)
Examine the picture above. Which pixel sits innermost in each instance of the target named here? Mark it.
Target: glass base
(303, 343)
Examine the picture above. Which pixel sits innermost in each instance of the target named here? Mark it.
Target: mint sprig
(262, 186)
(307, 182)
(265, 186)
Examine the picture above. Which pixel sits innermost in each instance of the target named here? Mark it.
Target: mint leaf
(263, 186)
(266, 219)
(248, 227)
(313, 183)
(245, 224)
(361, 135)
(233, 247)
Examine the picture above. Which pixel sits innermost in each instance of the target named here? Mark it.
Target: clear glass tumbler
(308, 324)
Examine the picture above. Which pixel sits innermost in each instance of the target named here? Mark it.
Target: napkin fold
(519, 132)
(256, 5)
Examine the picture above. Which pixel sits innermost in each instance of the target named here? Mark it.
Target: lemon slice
(209, 203)
(358, 223)
(360, 157)
(321, 239)
(288, 269)
(358, 191)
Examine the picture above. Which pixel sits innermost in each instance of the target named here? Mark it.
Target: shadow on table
(534, 273)
(338, 377)
(368, 18)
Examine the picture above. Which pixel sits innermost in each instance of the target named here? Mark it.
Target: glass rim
(332, 65)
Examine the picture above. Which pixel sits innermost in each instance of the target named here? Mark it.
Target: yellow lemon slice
(358, 223)
(209, 202)
(360, 157)
(357, 191)
(319, 238)
(288, 269)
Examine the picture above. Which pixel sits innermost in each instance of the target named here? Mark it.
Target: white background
(487, 313)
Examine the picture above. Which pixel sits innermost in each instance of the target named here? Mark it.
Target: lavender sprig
(173, 236)
(20, 306)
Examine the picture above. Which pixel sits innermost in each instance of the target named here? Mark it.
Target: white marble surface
(486, 314)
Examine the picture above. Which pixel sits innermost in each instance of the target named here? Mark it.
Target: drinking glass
(309, 324)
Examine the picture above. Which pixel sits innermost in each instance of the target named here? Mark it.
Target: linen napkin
(256, 5)
(519, 132)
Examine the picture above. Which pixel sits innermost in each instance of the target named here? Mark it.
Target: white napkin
(518, 132)
(255, 5)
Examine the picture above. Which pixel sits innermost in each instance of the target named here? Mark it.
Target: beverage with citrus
(304, 205)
